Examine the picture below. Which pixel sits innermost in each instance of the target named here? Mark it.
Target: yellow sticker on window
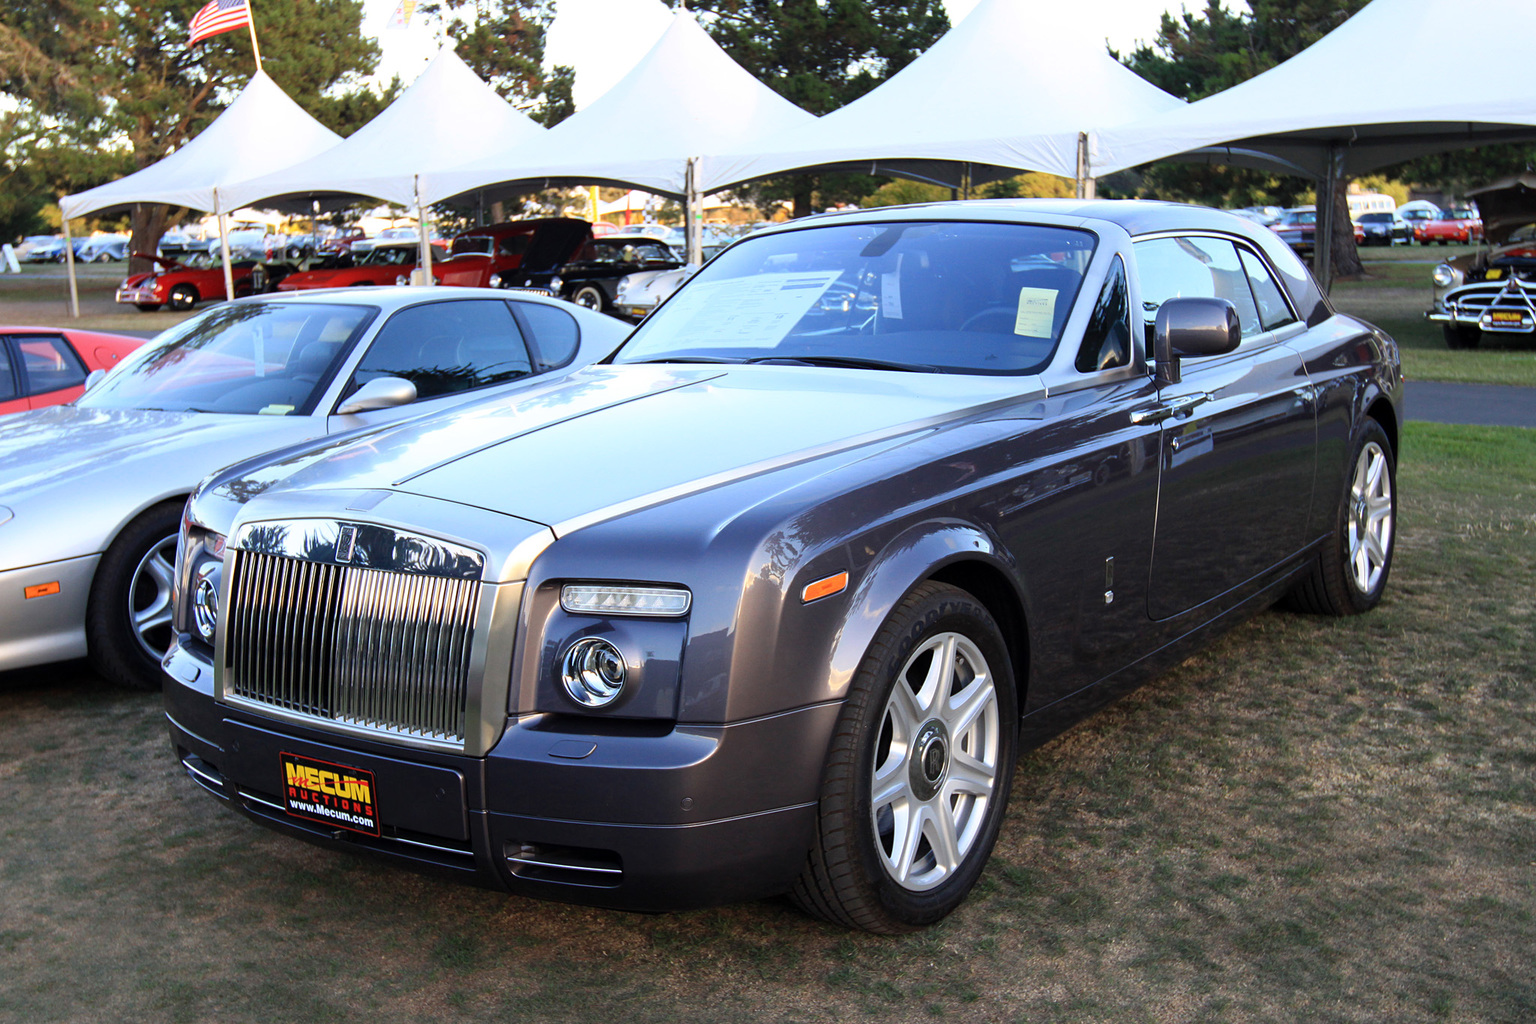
(1037, 311)
(275, 410)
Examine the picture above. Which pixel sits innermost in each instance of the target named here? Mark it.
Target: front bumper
(42, 611)
(639, 817)
(1502, 308)
(139, 295)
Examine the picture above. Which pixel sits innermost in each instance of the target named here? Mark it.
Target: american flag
(219, 16)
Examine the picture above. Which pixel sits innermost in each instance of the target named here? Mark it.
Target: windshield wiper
(852, 362)
(688, 359)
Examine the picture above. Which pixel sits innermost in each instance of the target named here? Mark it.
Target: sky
(603, 39)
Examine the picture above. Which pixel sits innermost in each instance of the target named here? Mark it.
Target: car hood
(71, 475)
(1506, 205)
(612, 439)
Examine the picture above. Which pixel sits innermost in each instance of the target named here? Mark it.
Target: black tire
(133, 580)
(850, 876)
(182, 297)
(1343, 579)
(1461, 337)
(148, 307)
(590, 296)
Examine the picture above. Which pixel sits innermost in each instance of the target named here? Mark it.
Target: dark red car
(383, 264)
(198, 277)
(518, 254)
(40, 366)
(1460, 225)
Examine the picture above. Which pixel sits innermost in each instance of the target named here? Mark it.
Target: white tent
(261, 131)
(1012, 87)
(686, 98)
(448, 116)
(1360, 98)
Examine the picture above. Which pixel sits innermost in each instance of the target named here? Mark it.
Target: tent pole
(69, 257)
(229, 271)
(693, 206)
(421, 229)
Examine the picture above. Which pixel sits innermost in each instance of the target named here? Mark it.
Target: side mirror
(93, 378)
(379, 393)
(1192, 327)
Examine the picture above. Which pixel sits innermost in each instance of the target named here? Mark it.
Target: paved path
(1484, 405)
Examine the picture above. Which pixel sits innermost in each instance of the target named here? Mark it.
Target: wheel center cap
(930, 759)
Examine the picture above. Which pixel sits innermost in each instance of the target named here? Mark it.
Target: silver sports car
(91, 493)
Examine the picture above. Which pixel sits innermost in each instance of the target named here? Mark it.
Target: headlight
(402, 279)
(205, 598)
(608, 599)
(1444, 275)
(593, 672)
(495, 281)
(555, 283)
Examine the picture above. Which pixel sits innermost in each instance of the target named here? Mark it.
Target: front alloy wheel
(917, 775)
(1371, 518)
(128, 624)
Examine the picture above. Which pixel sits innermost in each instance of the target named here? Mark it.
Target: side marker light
(824, 588)
(41, 590)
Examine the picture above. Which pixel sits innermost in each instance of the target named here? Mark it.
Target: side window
(1273, 311)
(7, 375)
(1194, 268)
(50, 364)
(1107, 341)
(552, 334)
(448, 347)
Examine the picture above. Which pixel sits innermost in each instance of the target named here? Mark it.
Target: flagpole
(250, 23)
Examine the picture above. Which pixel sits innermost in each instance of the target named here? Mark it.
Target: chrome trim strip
(559, 866)
(253, 798)
(429, 846)
(209, 781)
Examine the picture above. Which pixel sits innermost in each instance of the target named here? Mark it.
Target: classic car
(52, 250)
(1296, 228)
(92, 492)
(638, 295)
(1382, 229)
(27, 245)
(770, 600)
(103, 249)
(517, 254)
(178, 245)
(1459, 224)
(1492, 290)
(42, 366)
(383, 264)
(340, 242)
(196, 277)
(592, 279)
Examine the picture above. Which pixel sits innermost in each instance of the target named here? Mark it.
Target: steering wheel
(1006, 315)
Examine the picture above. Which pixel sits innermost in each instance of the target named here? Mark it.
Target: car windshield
(933, 296)
(1300, 217)
(270, 358)
(388, 255)
(612, 249)
(1375, 218)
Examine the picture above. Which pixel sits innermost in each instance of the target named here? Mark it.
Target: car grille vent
(377, 651)
(566, 865)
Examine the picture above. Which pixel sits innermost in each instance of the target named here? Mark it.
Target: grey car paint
(1107, 523)
(74, 477)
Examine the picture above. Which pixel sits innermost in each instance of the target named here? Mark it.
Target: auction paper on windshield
(1037, 312)
(747, 312)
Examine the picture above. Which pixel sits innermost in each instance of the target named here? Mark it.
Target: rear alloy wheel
(917, 778)
(1460, 337)
(589, 296)
(1351, 569)
(128, 620)
(182, 297)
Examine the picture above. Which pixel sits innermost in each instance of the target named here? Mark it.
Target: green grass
(1310, 820)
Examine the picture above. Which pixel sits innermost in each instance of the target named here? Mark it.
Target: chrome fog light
(205, 599)
(594, 672)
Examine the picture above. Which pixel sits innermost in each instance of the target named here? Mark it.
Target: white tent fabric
(261, 131)
(448, 116)
(1007, 89)
(1374, 91)
(685, 98)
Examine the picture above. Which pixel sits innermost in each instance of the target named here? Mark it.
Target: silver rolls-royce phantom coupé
(770, 600)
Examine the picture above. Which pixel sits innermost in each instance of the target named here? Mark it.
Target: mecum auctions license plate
(332, 794)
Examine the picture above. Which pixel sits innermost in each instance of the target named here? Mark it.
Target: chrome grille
(374, 650)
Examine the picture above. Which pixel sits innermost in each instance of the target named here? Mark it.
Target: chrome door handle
(1181, 406)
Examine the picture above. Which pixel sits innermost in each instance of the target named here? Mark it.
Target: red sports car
(524, 253)
(1453, 226)
(198, 277)
(42, 366)
(383, 264)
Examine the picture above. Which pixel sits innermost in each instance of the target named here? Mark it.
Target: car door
(1238, 432)
(446, 349)
(50, 371)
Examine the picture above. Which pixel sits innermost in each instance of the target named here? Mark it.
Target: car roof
(397, 296)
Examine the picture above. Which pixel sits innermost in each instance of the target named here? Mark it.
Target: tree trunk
(805, 185)
(148, 224)
(1346, 256)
